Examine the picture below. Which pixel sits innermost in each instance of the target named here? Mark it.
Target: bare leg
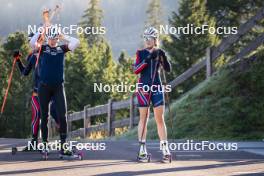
(162, 130)
(143, 114)
(161, 126)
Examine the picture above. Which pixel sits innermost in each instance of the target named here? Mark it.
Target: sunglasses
(148, 38)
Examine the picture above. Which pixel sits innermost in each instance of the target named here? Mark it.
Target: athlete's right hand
(45, 15)
(17, 54)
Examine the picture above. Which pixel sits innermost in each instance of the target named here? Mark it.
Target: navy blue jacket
(51, 65)
(147, 65)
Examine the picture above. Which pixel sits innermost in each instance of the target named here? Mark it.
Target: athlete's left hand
(153, 55)
(158, 53)
(61, 37)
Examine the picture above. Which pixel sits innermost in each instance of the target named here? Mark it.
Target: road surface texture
(119, 159)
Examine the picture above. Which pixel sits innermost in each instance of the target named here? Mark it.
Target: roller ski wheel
(14, 150)
(144, 158)
(45, 155)
(149, 158)
(80, 156)
(74, 156)
(74, 150)
(71, 155)
(166, 158)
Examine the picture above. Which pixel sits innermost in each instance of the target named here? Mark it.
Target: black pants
(45, 93)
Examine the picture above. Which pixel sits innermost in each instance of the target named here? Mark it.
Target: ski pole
(167, 98)
(55, 12)
(9, 84)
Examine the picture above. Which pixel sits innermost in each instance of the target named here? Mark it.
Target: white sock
(163, 143)
(143, 148)
(164, 147)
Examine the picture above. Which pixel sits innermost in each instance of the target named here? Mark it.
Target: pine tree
(86, 67)
(125, 74)
(154, 14)
(16, 118)
(187, 49)
(99, 63)
(76, 77)
(92, 17)
(233, 14)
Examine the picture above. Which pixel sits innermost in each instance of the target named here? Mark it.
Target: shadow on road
(123, 154)
(177, 169)
(93, 165)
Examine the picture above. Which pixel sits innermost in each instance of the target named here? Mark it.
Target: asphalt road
(119, 158)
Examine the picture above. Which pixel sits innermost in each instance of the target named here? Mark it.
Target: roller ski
(166, 158)
(166, 155)
(71, 154)
(45, 152)
(28, 148)
(14, 150)
(143, 155)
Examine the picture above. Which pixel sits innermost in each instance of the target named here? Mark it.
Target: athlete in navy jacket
(51, 78)
(35, 119)
(147, 65)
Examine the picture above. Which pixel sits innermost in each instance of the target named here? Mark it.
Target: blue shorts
(156, 98)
